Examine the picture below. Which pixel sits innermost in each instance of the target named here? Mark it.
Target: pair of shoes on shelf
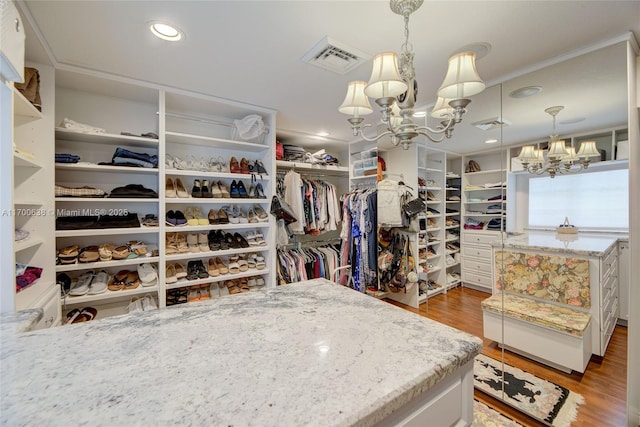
(237, 286)
(175, 243)
(201, 189)
(175, 189)
(124, 280)
(196, 270)
(218, 216)
(79, 315)
(175, 218)
(177, 296)
(238, 190)
(195, 217)
(217, 240)
(235, 215)
(175, 272)
(90, 283)
(138, 305)
(239, 167)
(198, 242)
(216, 267)
(199, 293)
(255, 238)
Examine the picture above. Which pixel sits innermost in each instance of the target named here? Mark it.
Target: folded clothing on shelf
(67, 158)
(86, 191)
(124, 157)
(82, 222)
(494, 209)
(135, 191)
(80, 127)
(26, 275)
(495, 224)
(473, 224)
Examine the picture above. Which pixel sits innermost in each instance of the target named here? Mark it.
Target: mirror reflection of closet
(592, 87)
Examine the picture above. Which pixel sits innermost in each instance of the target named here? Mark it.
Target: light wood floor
(603, 385)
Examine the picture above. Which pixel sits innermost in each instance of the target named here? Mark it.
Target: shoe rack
(191, 127)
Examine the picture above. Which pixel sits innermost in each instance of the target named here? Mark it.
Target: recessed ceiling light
(420, 114)
(525, 92)
(165, 31)
(323, 133)
(491, 141)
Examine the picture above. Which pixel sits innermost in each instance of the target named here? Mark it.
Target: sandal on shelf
(181, 270)
(261, 213)
(203, 242)
(191, 218)
(259, 238)
(118, 280)
(204, 293)
(260, 192)
(89, 254)
(222, 165)
(171, 274)
(181, 241)
(171, 244)
(120, 252)
(260, 264)
(69, 254)
(252, 216)
(259, 281)
(251, 281)
(221, 266)
(244, 285)
(232, 286)
(150, 220)
(240, 241)
(243, 265)
(194, 294)
(192, 241)
(89, 313)
(132, 281)
(233, 266)
(251, 239)
(212, 269)
(251, 261)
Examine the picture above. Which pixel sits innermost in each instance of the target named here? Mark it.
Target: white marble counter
(589, 244)
(305, 354)
(21, 321)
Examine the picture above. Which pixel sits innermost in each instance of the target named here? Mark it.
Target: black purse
(281, 210)
(414, 207)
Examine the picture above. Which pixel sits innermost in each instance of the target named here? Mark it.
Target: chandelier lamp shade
(394, 89)
(560, 159)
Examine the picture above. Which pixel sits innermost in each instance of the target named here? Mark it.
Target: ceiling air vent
(335, 56)
(491, 123)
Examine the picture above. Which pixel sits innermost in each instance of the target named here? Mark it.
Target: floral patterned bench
(546, 302)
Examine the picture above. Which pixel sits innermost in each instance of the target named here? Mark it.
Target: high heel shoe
(181, 191)
(196, 191)
(170, 189)
(223, 188)
(260, 169)
(260, 191)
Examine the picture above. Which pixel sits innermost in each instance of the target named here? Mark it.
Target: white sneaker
(99, 283)
(82, 285)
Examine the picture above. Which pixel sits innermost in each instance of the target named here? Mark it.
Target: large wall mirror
(536, 264)
(529, 260)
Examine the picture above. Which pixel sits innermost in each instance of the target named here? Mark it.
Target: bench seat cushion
(564, 319)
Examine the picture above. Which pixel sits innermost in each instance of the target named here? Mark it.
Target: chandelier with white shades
(560, 159)
(395, 91)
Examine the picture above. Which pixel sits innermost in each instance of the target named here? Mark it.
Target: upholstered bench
(556, 335)
(547, 302)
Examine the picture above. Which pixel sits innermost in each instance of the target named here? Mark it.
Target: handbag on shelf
(414, 207)
(281, 210)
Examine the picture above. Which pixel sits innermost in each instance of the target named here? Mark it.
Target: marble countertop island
(589, 244)
(313, 353)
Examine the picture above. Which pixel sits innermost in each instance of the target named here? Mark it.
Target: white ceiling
(251, 52)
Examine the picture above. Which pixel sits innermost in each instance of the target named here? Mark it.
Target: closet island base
(312, 353)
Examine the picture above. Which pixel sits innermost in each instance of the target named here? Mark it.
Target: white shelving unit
(190, 126)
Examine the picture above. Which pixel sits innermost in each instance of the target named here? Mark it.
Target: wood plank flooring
(603, 385)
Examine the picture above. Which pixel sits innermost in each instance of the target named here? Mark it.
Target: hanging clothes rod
(310, 243)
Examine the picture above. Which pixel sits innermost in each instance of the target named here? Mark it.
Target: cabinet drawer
(610, 256)
(609, 270)
(477, 266)
(480, 239)
(477, 278)
(52, 313)
(476, 252)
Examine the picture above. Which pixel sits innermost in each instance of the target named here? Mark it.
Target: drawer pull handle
(17, 25)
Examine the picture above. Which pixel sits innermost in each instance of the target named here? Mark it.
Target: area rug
(543, 400)
(484, 416)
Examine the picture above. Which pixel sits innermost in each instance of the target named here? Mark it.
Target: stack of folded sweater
(67, 158)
